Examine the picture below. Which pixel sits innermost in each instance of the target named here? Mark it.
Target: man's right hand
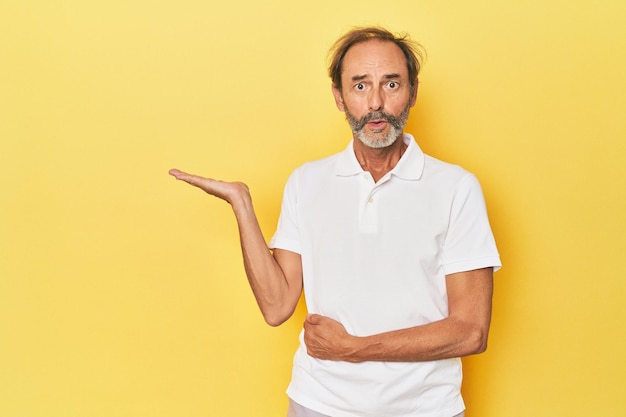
(227, 191)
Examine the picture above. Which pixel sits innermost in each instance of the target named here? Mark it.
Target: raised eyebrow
(386, 76)
(359, 77)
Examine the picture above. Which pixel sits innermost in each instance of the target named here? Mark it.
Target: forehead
(373, 57)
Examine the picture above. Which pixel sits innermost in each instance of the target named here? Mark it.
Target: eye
(360, 86)
(393, 85)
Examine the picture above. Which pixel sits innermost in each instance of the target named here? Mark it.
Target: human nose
(376, 100)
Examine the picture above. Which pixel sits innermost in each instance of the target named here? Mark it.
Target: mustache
(358, 124)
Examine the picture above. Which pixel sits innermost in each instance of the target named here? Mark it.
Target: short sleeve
(287, 234)
(469, 242)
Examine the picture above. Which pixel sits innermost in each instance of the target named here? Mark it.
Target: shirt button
(371, 200)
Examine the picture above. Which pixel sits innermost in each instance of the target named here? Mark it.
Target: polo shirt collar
(409, 167)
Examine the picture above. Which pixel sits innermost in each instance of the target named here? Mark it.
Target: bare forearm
(448, 338)
(274, 294)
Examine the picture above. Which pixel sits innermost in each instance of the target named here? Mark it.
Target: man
(392, 248)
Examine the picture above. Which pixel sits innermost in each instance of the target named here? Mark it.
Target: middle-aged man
(392, 248)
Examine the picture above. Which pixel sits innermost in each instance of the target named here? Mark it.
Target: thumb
(313, 318)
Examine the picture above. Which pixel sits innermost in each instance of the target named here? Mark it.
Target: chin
(378, 141)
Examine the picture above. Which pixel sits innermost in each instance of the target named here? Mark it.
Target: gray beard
(375, 139)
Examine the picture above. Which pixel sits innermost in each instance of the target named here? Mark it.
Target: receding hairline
(369, 41)
(413, 52)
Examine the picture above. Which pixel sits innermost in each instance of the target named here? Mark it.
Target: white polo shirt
(374, 258)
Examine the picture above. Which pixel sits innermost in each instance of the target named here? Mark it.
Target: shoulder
(319, 170)
(442, 172)
(418, 165)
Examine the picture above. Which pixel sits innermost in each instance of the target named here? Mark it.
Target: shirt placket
(369, 205)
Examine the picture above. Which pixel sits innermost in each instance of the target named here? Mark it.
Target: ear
(338, 98)
(414, 93)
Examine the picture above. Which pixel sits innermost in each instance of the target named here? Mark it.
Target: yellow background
(122, 291)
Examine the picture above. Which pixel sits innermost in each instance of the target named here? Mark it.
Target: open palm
(227, 191)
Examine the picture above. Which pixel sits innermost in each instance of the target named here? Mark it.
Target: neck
(379, 161)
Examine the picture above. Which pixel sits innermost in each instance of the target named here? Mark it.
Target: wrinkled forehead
(374, 57)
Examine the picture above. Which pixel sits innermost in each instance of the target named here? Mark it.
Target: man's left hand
(326, 338)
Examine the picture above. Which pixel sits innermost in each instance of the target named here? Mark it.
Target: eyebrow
(364, 76)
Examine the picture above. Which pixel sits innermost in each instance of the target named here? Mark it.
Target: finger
(314, 319)
(180, 175)
(194, 180)
(309, 329)
(220, 189)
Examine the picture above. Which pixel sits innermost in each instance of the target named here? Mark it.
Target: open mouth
(377, 124)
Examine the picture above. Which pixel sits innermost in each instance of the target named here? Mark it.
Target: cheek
(399, 103)
(356, 106)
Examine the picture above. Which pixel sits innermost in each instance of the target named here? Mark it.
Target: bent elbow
(481, 348)
(274, 320)
(276, 317)
(479, 341)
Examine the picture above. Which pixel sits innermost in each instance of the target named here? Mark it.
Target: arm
(463, 332)
(275, 278)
